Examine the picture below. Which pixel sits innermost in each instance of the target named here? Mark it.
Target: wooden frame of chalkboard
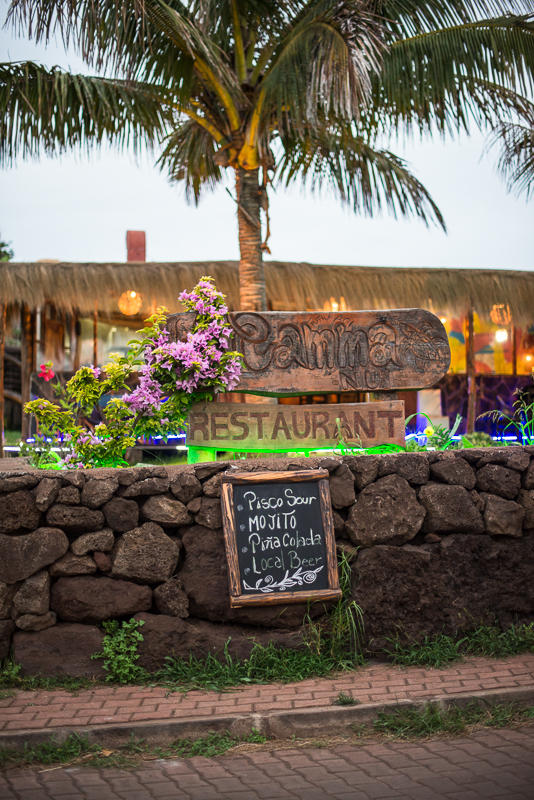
(267, 595)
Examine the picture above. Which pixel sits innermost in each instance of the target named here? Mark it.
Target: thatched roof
(290, 286)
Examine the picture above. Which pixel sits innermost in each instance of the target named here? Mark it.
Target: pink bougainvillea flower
(46, 371)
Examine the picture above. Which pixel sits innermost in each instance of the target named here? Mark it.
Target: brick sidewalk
(488, 764)
(372, 684)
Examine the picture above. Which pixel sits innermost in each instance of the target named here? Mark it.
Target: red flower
(46, 371)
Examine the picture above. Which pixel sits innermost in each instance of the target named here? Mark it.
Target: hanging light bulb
(130, 303)
(501, 335)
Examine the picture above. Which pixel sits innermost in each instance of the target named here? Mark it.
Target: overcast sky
(78, 208)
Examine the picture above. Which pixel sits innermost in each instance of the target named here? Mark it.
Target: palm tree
(274, 90)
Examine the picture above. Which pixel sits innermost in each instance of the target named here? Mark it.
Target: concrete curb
(315, 722)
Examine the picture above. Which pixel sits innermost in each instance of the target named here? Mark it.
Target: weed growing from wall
(119, 651)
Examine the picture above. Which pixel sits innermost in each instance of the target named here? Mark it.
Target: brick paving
(489, 764)
(372, 684)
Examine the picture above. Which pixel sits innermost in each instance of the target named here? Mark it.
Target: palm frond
(362, 176)
(188, 156)
(517, 159)
(407, 18)
(321, 65)
(436, 79)
(50, 110)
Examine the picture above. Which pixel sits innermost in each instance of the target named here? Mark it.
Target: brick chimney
(136, 245)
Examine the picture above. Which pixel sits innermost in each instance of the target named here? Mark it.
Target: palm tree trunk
(251, 275)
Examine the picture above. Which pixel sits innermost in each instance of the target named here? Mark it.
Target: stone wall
(445, 541)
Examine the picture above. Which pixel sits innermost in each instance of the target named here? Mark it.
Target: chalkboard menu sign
(279, 537)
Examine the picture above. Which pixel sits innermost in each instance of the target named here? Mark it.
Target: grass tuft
(441, 650)
(76, 749)
(409, 723)
(345, 700)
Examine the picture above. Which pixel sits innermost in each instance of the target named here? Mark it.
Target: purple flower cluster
(200, 363)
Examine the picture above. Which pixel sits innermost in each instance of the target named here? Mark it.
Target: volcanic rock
(413, 467)
(342, 491)
(147, 487)
(97, 492)
(18, 510)
(33, 597)
(95, 599)
(7, 593)
(16, 482)
(364, 469)
(210, 514)
(502, 517)
(46, 493)
(121, 514)
(145, 555)
(70, 564)
(74, 519)
(69, 496)
(213, 486)
(98, 540)
(171, 599)
(454, 471)
(165, 636)
(63, 649)
(526, 500)
(35, 622)
(21, 556)
(449, 509)
(7, 626)
(165, 510)
(385, 511)
(499, 480)
(102, 561)
(185, 487)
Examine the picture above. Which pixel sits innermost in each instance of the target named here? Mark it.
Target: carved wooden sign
(279, 537)
(288, 353)
(248, 426)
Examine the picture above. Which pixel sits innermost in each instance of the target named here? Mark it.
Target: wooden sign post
(279, 537)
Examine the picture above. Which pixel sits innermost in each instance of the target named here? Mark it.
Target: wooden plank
(26, 358)
(2, 374)
(279, 535)
(267, 428)
(289, 353)
(471, 371)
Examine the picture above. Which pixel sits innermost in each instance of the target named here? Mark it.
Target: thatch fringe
(290, 286)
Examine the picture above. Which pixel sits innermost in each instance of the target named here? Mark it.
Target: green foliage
(119, 651)
(441, 650)
(11, 678)
(48, 753)
(520, 422)
(229, 85)
(171, 377)
(214, 744)
(479, 439)
(77, 747)
(264, 665)
(6, 253)
(331, 644)
(409, 723)
(345, 700)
